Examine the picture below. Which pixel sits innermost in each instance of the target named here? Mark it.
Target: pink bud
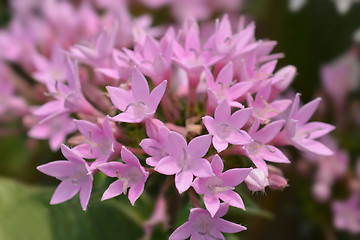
(321, 191)
(256, 180)
(277, 182)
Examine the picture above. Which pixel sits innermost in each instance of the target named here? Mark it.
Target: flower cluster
(201, 95)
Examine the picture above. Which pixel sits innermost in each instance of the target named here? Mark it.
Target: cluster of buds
(219, 94)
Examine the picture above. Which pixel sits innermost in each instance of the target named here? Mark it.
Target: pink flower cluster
(218, 89)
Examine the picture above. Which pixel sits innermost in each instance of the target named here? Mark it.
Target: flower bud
(256, 180)
(277, 182)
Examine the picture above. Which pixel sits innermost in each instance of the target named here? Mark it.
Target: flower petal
(183, 181)
(168, 166)
(116, 188)
(85, 192)
(64, 192)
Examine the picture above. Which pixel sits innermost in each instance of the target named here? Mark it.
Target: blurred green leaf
(25, 213)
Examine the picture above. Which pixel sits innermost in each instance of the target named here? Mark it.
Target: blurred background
(313, 35)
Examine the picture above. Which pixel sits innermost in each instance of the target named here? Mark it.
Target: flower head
(185, 160)
(139, 104)
(202, 225)
(75, 176)
(221, 186)
(100, 141)
(130, 174)
(301, 134)
(225, 127)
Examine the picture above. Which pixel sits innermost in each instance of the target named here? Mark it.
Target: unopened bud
(256, 180)
(321, 191)
(277, 182)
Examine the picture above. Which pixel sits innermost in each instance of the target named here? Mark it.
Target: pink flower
(256, 180)
(55, 128)
(202, 225)
(185, 160)
(265, 110)
(221, 186)
(138, 104)
(259, 151)
(153, 58)
(98, 51)
(224, 88)
(101, 141)
(130, 174)
(75, 176)
(347, 214)
(301, 134)
(226, 127)
(190, 55)
(156, 144)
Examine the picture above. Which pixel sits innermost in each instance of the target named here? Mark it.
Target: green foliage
(25, 213)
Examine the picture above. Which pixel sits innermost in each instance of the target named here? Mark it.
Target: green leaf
(25, 213)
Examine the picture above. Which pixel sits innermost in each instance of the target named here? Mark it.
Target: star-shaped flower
(259, 151)
(221, 186)
(130, 174)
(202, 225)
(75, 176)
(301, 134)
(100, 141)
(185, 160)
(226, 127)
(137, 104)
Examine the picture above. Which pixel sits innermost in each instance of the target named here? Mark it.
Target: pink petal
(210, 124)
(64, 192)
(239, 137)
(56, 140)
(156, 95)
(119, 97)
(316, 147)
(232, 198)
(70, 155)
(84, 151)
(212, 204)
(209, 78)
(263, 94)
(202, 168)
(135, 192)
(182, 232)
(217, 165)
(183, 180)
(273, 154)
(240, 117)
(260, 164)
(199, 146)
(224, 207)
(150, 146)
(114, 189)
(226, 74)
(235, 176)
(58, 169)
(219, 144)
(88, 129)
(269, 132)
(168, 166)
(228, 227)
(111, 168)
(85, 192)
(139, 86)
(176, 143)
(222, 112)
(315, 130)
(306, 112)
(128, 157)
(238, 89)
